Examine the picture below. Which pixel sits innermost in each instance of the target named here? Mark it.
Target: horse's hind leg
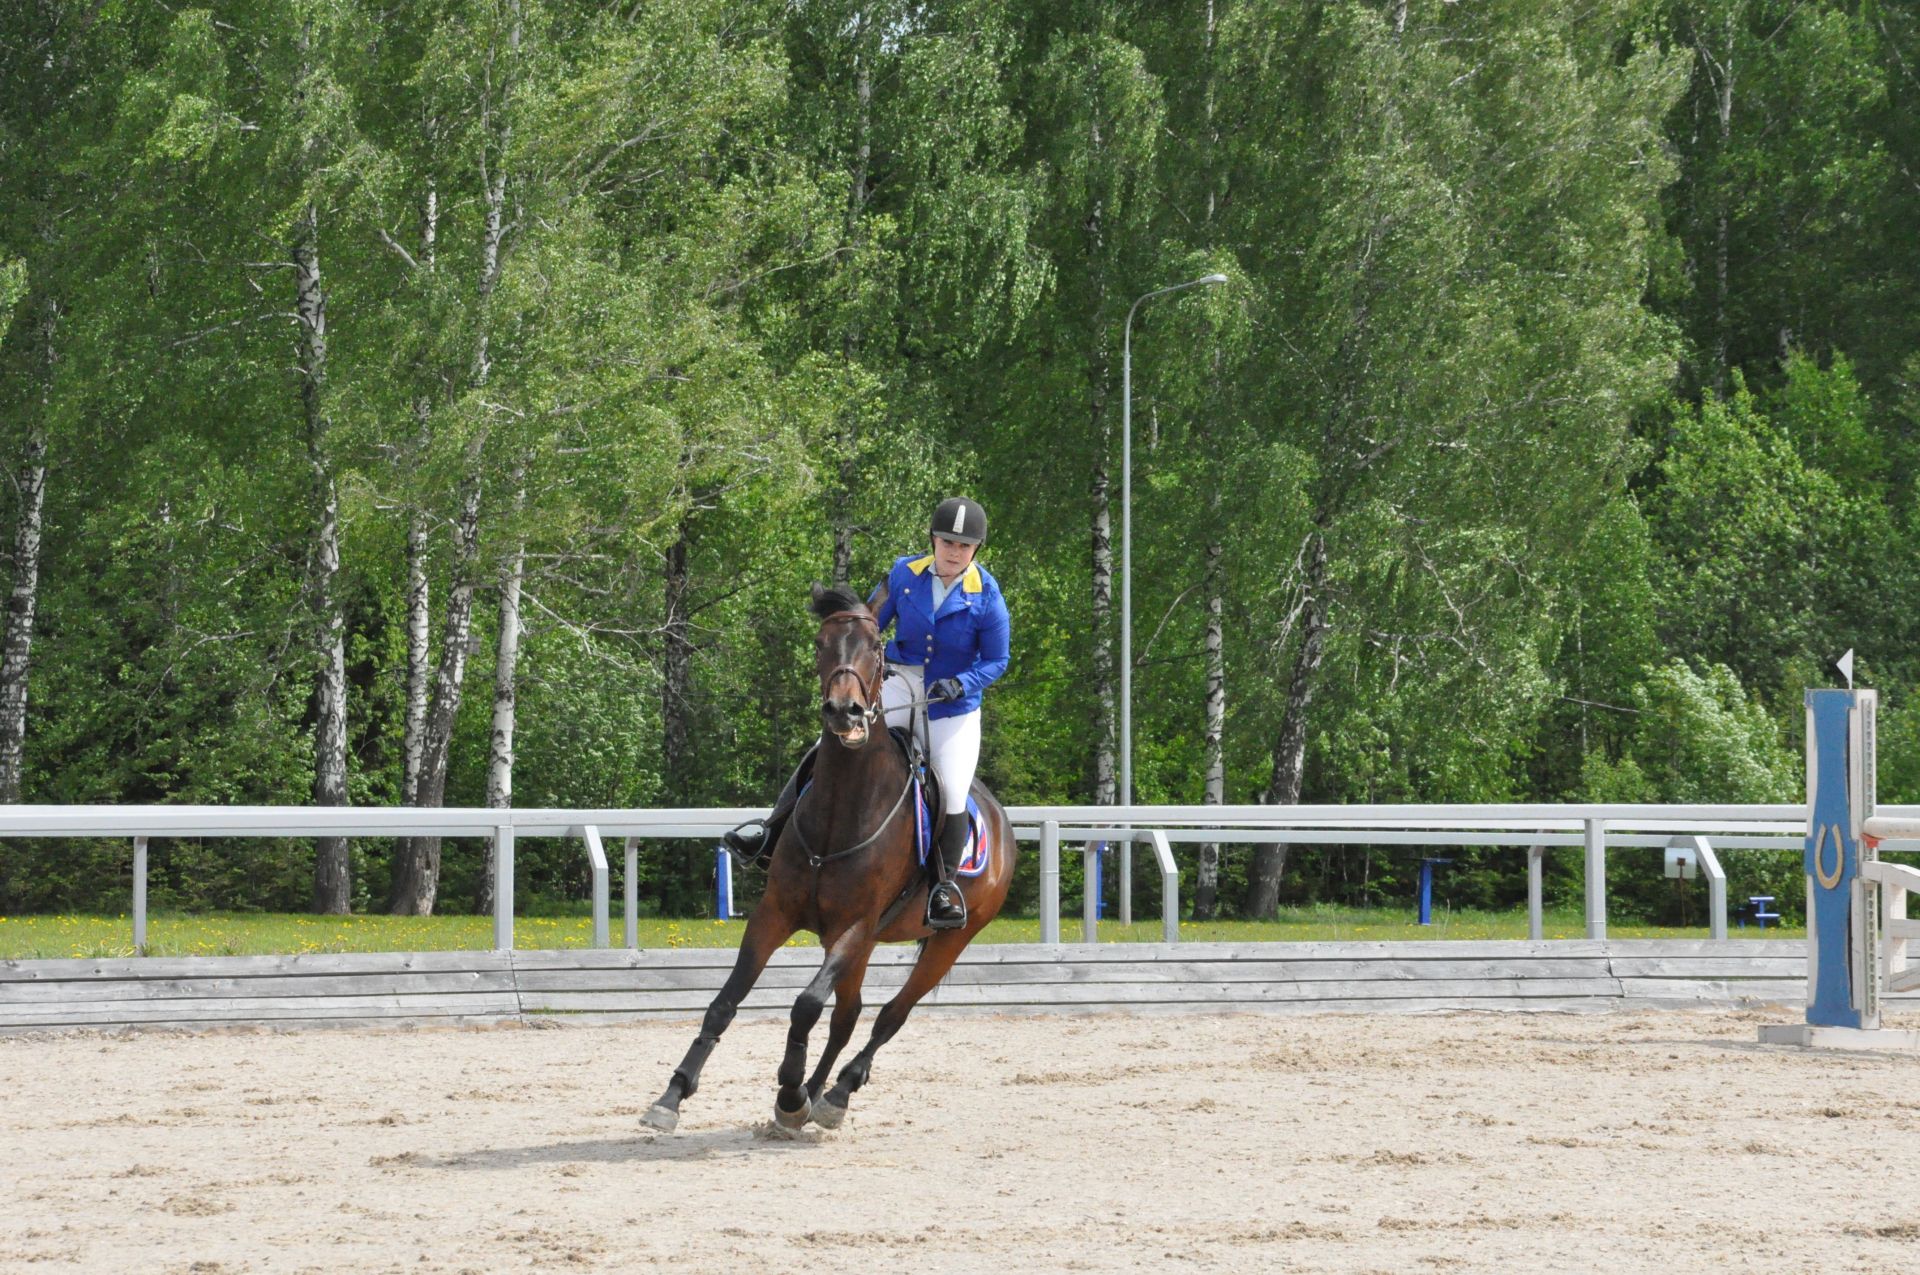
(766, 931)
(793, 1104)
(936, 958)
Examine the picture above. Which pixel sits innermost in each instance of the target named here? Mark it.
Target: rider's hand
(946, 689)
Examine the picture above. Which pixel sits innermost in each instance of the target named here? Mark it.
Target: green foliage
(775, 275)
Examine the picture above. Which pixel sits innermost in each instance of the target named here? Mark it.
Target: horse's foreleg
(766, 931)
(846, 1014)
(936, 958)
(793, 1103)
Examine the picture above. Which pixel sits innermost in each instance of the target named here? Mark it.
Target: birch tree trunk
(331, 886)
(419, 622)
(419, 591)
(676, 683)
(1105, 785)
(416, 863)
(16, 648)
(845, 498)
(506, 663)
(416, 860)
(1206, 894)
(1290, 747)
(1099, 378)
(1724, 110)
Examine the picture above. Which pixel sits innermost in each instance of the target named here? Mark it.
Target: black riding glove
(947, 688)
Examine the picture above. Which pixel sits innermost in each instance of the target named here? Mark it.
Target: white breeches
(953, 741)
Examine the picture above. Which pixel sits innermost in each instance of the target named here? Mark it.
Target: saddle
(930, 808)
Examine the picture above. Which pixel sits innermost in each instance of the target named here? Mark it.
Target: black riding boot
(753, 841)
(946, 906)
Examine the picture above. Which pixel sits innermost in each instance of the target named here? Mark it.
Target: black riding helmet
(960, 519)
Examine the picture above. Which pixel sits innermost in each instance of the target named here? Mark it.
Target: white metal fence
(1536, 828)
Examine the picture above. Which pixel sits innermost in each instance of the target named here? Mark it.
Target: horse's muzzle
(848, 721)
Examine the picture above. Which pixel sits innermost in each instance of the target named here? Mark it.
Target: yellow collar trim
(969, 583)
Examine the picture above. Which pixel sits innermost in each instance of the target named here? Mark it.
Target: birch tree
(1099, 118)
(1512, 287)
(48, 118)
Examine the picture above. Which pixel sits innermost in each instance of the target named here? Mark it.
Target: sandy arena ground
(1630, 1142)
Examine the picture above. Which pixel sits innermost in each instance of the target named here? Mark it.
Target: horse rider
(950, 642)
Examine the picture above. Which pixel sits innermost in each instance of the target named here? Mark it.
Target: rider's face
(951, 557)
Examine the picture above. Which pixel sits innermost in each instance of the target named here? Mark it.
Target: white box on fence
(1683, 862)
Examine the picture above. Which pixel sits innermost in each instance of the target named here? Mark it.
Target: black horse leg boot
(946, 906)
(753, 841)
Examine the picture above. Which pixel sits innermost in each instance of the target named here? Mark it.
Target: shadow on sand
(641, 1148)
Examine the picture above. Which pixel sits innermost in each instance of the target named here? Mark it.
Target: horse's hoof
(665, 1119)
(792, 1119)
(828, 1114)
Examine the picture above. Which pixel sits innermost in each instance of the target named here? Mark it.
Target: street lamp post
(1126, 568)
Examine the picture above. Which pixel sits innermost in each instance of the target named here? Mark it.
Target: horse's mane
(833, 601)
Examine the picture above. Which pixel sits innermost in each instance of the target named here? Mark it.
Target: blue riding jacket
(968, 639)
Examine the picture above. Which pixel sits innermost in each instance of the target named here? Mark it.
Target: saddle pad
(974, 862)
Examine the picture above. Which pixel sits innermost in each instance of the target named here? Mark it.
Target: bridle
(870, 693)
(870, 709)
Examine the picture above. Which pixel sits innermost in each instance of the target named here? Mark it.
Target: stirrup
(747, 848)
(951, 918)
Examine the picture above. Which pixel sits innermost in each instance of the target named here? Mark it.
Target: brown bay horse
(846, 868)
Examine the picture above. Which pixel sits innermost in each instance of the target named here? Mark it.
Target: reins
(816, 860)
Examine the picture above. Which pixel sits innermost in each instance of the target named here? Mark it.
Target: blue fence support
(1426, 889)
(722, 884)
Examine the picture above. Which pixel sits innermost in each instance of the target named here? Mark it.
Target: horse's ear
(819, 592)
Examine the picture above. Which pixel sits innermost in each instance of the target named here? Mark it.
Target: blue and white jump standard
(1856, 905)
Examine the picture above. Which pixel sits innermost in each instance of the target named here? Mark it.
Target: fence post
(1716, 887)
(1596, 878)
(1090, 896)
(722, 884)
(1126, 882)
(1050, 881)
(139, 896)
(1536, 920)
(503, 888)
(597, 862)
(631, 888)
(1169, 888)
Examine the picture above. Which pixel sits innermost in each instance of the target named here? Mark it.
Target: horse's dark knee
(719, 1016)
(807, 1008)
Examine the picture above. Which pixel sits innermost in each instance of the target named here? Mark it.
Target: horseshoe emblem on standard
(1839, 857)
